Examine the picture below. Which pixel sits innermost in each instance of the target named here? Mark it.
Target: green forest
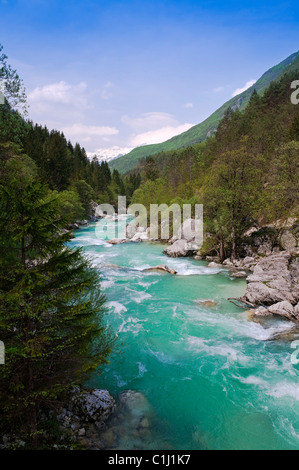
(247, 174)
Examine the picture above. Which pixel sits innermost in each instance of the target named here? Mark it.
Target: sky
(114, 75)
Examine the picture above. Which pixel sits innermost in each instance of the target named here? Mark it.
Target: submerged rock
(206, 302)
(117, 241)
(161, 268)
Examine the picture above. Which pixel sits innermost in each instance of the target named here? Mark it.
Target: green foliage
(248, 172)
(51, 307)
(70, 207)
(11, 85)
(85, 193)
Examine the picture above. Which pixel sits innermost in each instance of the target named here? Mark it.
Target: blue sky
(116, 74)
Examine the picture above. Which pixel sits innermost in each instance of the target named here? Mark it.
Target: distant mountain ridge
(205, 129)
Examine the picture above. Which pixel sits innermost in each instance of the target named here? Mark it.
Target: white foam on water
(237, 326)
(188, 269)
(282, 363)
(141, 369)
(161, 356)
(117, 306)
(119, 381)
(138, 296)
(91, 241)
(259, 332)
(284, 389)
(131, 325)
(253, 380)
(107, 284)
(198, 344)
(146, 285)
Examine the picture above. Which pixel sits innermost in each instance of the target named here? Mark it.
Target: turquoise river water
(211, 377)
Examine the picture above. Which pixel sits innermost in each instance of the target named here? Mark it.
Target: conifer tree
(51, 306)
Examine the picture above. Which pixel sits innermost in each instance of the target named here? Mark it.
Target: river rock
(184, 242)
(140, 236)
(161, 268)
(288, 241)
(274, 283)
(82, 222)
(239, 274)
(213, 264)
(284, 309)
(228, 262)
(180, 248)
(130, 230)
(117, 241)
(261, 312)
(93, 406)
(206, 302)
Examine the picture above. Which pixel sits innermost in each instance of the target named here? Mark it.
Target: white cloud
(106, 92)
(188, 105)
(159, 135)
(149, 121)
(218, 89)
(153, 128)
(61, 92)
(240, 90)
(88, 134)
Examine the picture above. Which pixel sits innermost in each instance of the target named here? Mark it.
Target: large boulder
(93, 406)
(180, 248)
(288, 241)
(186, 242)
(130, 230)
(140, 236)
(274, 283)
(284, 309)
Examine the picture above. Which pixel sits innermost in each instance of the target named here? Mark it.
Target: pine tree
(51, 306)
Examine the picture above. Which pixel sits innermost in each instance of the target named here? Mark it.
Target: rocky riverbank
(273, 286)
(95, 420)
(92, 419)
(269, 261)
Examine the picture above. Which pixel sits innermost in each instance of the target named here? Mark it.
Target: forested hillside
(63, 167)
(247, 173)
(202, 131)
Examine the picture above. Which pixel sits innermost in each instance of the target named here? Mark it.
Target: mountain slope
(203, 130)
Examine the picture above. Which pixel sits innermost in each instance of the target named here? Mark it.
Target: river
(210, 377)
